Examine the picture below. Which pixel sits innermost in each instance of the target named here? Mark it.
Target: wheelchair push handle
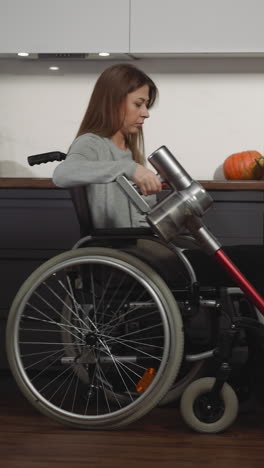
(46, 157)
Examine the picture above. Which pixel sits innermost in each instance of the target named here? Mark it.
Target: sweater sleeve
(83, 166)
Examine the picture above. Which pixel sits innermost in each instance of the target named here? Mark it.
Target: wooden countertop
(233, 184)
(37, 183)
(26, 182)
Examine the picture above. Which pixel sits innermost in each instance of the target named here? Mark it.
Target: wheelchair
(101, 334)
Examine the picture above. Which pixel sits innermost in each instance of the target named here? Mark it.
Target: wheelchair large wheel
(188, 372)
(183, 277)
(94, 338)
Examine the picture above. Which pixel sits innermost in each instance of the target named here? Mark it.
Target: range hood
(69, 56)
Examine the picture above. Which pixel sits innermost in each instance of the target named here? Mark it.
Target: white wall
(208, 108)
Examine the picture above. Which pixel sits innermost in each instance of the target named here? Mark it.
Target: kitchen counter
(26, 182)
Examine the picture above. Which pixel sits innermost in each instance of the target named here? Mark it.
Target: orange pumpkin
(246, 165)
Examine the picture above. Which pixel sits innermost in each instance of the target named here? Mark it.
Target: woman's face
(135, 110)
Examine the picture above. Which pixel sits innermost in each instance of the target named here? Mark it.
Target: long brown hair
(103, 116)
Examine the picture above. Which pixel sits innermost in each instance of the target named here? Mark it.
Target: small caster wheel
(207, 415)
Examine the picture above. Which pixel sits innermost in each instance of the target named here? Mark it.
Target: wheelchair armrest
(133, 194)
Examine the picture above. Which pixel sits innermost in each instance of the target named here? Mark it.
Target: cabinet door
(197, 26)
(235, 223)
(64, 26)
(37, 219)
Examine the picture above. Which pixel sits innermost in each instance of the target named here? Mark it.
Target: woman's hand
(145, 179)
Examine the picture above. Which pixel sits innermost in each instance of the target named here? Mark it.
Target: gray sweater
(96, 162)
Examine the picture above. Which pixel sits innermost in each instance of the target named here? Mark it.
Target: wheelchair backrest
(78, 194)
(82, 209)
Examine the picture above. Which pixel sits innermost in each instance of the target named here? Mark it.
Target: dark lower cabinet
(236, 217)
(37, 224)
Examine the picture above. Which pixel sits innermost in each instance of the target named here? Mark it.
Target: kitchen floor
(160, 439)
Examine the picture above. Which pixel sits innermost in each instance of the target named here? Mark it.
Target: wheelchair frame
(208, 404)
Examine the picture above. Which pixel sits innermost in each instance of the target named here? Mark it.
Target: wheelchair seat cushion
(161, 259)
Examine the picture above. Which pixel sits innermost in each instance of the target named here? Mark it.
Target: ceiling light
(104, 54)
(23, 54)
(54, 68)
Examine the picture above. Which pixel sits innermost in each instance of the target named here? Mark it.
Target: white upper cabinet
(197, 26)
(132, 26)
(64, 26)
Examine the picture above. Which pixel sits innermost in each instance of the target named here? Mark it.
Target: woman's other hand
(147, 182)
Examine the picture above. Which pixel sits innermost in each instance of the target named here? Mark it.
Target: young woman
(110, 143)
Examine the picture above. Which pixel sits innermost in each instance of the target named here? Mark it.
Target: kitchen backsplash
(207, 109)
